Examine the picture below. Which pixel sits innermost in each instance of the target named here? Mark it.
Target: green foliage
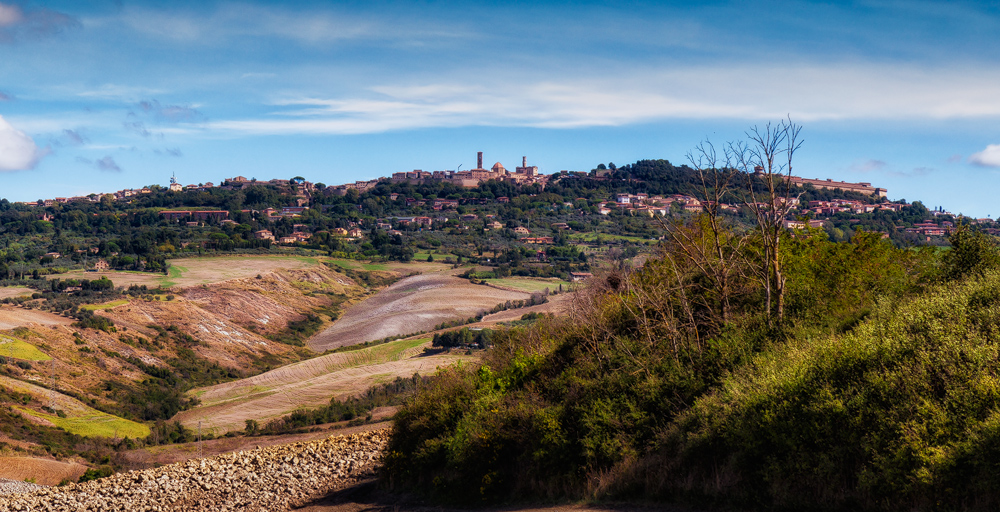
(972, 252)
(571, 408)
(96, 474)
(901, 413)
(463, 337)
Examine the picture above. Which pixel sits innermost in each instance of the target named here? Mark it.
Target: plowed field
(11, 317)
(41, 471)
(309, 384)
(413, 304)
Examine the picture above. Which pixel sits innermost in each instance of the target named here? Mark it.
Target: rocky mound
(267, 479)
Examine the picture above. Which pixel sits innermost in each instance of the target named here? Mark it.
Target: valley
(229, 323)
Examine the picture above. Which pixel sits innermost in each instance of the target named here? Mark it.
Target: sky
(100, 96)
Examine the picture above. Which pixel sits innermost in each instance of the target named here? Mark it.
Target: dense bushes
(868, 394)
(901, 413)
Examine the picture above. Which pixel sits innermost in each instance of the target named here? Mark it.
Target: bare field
(528, 284)
(14, 291)
(311, 383)
(558, 305)
(12, 317)
(187, 272)
(416, 303)
(41, 471)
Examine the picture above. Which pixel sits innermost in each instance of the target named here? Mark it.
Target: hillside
(877, 391)
(413, 304)
(309, 384)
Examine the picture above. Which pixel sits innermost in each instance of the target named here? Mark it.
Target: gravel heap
(15, 487)
(267, 479)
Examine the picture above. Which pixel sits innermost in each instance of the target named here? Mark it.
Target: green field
(530, 285)
(10, 347)
(106, 305)
(92, 423)
(80, 418)
(356, 264)
(592, 237)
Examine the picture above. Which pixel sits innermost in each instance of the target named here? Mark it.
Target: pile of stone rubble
(15, 487)
(268, 479)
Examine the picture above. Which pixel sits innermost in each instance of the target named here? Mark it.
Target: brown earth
(307, 384)
(12, 317)
(210, 316)
(14, 291)
(42, 471)
(198, 271)
(414, 304)
(267, 304)
(557, 305)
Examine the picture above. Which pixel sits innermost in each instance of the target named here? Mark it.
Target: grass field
(591, 237)
(106, 305)
(358, 265)
(530, 285)
(93, 423)
(10, 347)
(80, 419)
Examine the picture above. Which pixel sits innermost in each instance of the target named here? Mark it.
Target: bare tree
(765, 161)
(708, 243)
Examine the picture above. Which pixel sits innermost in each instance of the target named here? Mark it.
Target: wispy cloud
(108, 164)
(989, 157)
(169, 113)
(868, 166)
(18, 151)
(17, 23)
(74, 137)
(807, 93)
(124, 93)
(176, 152)
(229, 21)
(137, 127)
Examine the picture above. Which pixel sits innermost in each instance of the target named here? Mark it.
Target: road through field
(414, 304)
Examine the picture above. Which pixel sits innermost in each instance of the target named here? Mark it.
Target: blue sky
(100, 96)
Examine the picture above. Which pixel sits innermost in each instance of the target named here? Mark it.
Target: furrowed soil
(40, 471)
(309, 384)
(187, 272)
(414, 304)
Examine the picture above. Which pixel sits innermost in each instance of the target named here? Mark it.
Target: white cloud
(806, 93)
(989, 157)
(17, 151)
(305, 26)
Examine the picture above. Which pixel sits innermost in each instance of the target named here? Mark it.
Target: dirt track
(414, 304)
